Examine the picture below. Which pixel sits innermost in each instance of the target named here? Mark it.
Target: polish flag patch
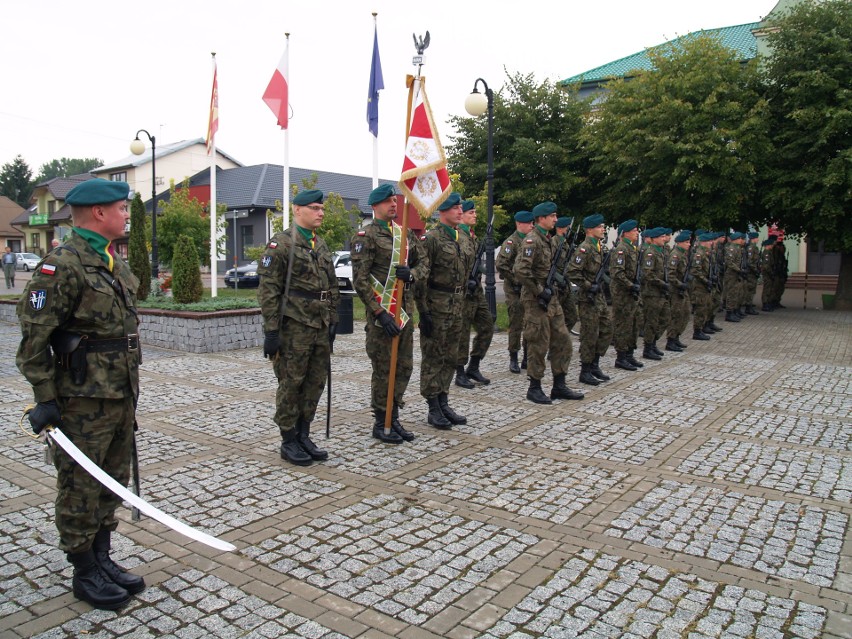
(48, 269)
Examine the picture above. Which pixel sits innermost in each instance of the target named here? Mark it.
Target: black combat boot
(560, 390)
(133, 584)
(751, 310)
(700, 335)
(731, 316)
(449, 413)
(304, 430)
(655, 349)
(379, 429)
(709, 329)
(766, 308)
(398, 428)
(524, 358)
(89, 583)
(715, 326)
(535, 394)
(741, 311)
(671, 345)
(679, 343)
(621, 361)
(513, 362)
(635, 362)
(649, 353)
(292, 451)
(586, 376)
(436, 417)
(461, 378)
(595, 369)
(474, 373)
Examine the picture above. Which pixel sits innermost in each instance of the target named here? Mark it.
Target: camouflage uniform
(700, 289)
(567, 297)
(781, 268)
(443, 297)
(505, 265)
(769, 275)
(655, 294)
(732, 283)
(622, 272)
(753, 275)
(681, 303)
(73, 291)
(595, 323)
(302, 320)
(544, 330)
(475, 311)
(372, 255)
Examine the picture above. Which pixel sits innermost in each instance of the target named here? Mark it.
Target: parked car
(26, 261)
(247, 276)
(343, 271)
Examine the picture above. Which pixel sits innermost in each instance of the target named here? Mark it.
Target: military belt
(322, 296)
(457, 290)
(129, 343)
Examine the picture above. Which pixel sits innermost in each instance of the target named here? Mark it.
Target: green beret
(705, 237)
(450, 202)
(97, 191)
(592, 221)
(468, 205)
(666, 231)
(736, 236)
(683, 236)
(627, 225)
(380, 194)
(701, 232)
(308, 197)
(769, 241)
(650, 234)
(753, 235)
(544, 209)
(523, 216)
(563, 222)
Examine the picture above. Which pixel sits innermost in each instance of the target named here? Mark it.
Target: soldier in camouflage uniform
(476, 311)
(753, 251)
(699, 290)
(505, 265)
(299, 323)
(680, 260)
(81, 304)
(440, 304)
(767, 272)
(781, 268)
(544, 325)
(733, 279)
(625, 296)
(567, 296)
(595, 323)
(375, 270)
(655, 292)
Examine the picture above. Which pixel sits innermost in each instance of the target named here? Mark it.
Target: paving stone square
(158, 397)
(831, 379)
(651, 410)
(679, 388)
(791, 429)
(809, 403)
(714, 373)
(236, 421)
(189, 366)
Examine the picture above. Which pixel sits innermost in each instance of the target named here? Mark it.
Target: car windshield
(30, 256)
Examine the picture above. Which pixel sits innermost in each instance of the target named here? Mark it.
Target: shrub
(186, 273)
(137, 248)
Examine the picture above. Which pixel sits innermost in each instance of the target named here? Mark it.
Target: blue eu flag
(377, 83)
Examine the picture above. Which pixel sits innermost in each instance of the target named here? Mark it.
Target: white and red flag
(213, 122)
(425, 180)
(276, 95)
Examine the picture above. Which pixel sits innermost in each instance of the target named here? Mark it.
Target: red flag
(424, 179)
(276, 95)
(213, 122)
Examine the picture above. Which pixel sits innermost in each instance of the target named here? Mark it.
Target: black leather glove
(404, 273)
(332, 333)
(664, 287)
(45, 414)
(544, 297)
(594, 289)
(388, 323)
(426, 324)
(472, 286)
(635, 288)
(683, 287)
(271, 344)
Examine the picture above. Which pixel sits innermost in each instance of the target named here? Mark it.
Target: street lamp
(476, 104)
(137, 147)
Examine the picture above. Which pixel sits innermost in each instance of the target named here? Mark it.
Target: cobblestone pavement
(707, 495)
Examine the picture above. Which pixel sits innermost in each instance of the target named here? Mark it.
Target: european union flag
(377, 83)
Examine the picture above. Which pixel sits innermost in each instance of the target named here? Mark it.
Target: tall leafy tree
(16, 181)
(137, 248)
(537, 150)
(681, 145)
(809, 85)
(66, 167)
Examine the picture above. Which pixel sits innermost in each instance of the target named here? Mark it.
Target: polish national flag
(213, 122)
(276, 95)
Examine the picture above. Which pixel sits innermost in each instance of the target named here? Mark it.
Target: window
(118, 177)
(51, 207)
(247, 237)
(35, 240)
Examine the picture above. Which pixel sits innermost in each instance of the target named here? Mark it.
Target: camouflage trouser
(439, 353)
(769, 285)
(301, 369)
(750, 290)
(681, 310)
(515, 309)
(475, 314)
(732, 286)
(657, 311)
(103, 430)
(379, 352)
(544, 331)
(595, 328)
(568, 300)
(703, 306)
(625, 324)
(716, 296)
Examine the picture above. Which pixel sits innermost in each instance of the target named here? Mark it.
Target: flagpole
(376, 137)
(214, 253)
(285, 203)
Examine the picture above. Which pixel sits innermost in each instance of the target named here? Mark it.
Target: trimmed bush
(137, 247)
(186, 272)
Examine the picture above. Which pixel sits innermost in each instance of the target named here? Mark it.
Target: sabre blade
(178, 526)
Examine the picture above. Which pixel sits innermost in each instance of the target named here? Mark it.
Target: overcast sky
(79, 79)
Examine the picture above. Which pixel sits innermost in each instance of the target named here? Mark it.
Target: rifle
(551, 275)
(602, 270)
(637, 277)
(744, 259)
(570, 240)
(686, 276)
(473, 277)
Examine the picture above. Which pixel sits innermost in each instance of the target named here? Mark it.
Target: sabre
(59, 438)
